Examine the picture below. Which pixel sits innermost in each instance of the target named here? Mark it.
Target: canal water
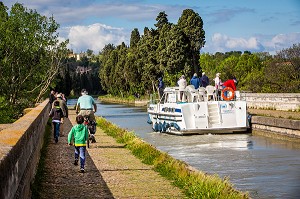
(265, 167)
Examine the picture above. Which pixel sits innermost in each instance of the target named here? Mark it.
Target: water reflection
(265, 167)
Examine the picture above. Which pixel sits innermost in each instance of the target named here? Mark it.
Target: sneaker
(81, 170)
(76, 162)
(56, 139)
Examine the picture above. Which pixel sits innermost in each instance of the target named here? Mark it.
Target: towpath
(111, 172)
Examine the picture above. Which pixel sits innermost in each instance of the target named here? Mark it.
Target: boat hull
(207, 117)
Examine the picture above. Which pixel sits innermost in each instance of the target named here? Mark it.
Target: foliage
(195, 184)
(30, 54)
(169, 49)
(257, 72)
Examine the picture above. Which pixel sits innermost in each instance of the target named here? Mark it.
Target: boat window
(162, 99)
(172, 97)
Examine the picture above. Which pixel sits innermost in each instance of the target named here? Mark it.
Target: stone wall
(20, 145)
(274, 101)
(284, 127)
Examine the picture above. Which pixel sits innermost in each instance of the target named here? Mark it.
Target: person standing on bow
(195, 81)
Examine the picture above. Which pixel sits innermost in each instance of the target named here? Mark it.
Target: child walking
(79, 135)
(57, 114)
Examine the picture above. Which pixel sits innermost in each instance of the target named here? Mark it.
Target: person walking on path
(195, 81)
(78, 136)
(52, 97)
(57, 115)
(64, 107)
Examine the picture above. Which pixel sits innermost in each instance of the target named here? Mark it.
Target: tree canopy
(30, 54)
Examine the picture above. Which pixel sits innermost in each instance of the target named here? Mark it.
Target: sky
(229, 25)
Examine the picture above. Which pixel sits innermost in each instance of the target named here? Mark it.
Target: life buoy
(231, 96)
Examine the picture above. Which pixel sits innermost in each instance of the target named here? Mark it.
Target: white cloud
(283, 41)
(261, 43)
(95, 37)
(224, 43)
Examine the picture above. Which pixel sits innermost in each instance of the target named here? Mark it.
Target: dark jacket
(63, 106)
(56, 113)
(161, 83)
(204, 81)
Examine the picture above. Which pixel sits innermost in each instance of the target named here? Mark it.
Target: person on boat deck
(182, 84)
(230, 83)
(161, 87)
(195, 81)
(218, 85)
(204, 80)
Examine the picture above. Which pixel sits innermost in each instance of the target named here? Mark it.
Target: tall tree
(192, 25)
(163, 30)
(134, 38)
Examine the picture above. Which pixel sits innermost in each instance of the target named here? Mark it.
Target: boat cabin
(190, 95)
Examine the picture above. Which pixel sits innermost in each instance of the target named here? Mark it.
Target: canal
(265, 167)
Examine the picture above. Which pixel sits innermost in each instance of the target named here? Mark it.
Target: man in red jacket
(230, 83)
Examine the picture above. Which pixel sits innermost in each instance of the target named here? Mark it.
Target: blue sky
(254, 25)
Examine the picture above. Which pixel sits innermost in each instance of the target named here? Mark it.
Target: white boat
(200, 112)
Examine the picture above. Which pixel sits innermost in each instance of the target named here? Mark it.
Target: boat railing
(190, 95)
(208, 93)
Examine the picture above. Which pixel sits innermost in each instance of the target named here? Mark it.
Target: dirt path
(111, 172)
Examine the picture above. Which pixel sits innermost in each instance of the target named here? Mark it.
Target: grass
(194, 183)
(35, 186)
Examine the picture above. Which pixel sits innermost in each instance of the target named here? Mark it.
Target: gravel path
(111, 172)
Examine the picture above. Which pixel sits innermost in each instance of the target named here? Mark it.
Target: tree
(30, 53)
(192, 25)
(135, 38)
(282, 74)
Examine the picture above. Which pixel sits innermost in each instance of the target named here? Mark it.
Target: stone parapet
(20, 145)
(274, 101)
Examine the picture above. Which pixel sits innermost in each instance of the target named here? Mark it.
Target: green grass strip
(194, 183)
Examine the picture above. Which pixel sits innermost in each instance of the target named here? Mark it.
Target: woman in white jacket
(182, 85)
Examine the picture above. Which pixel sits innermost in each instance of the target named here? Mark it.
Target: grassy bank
(194, 183)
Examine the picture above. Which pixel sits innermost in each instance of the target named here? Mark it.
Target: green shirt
(78, 135)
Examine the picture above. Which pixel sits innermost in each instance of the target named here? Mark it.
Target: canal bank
(112, 171)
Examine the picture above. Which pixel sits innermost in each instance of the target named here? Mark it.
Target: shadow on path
(61, 179)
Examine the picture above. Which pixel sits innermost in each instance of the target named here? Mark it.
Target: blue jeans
(56, 126)
(80, 152)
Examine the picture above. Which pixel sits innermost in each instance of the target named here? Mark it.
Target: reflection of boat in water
(201, 112)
